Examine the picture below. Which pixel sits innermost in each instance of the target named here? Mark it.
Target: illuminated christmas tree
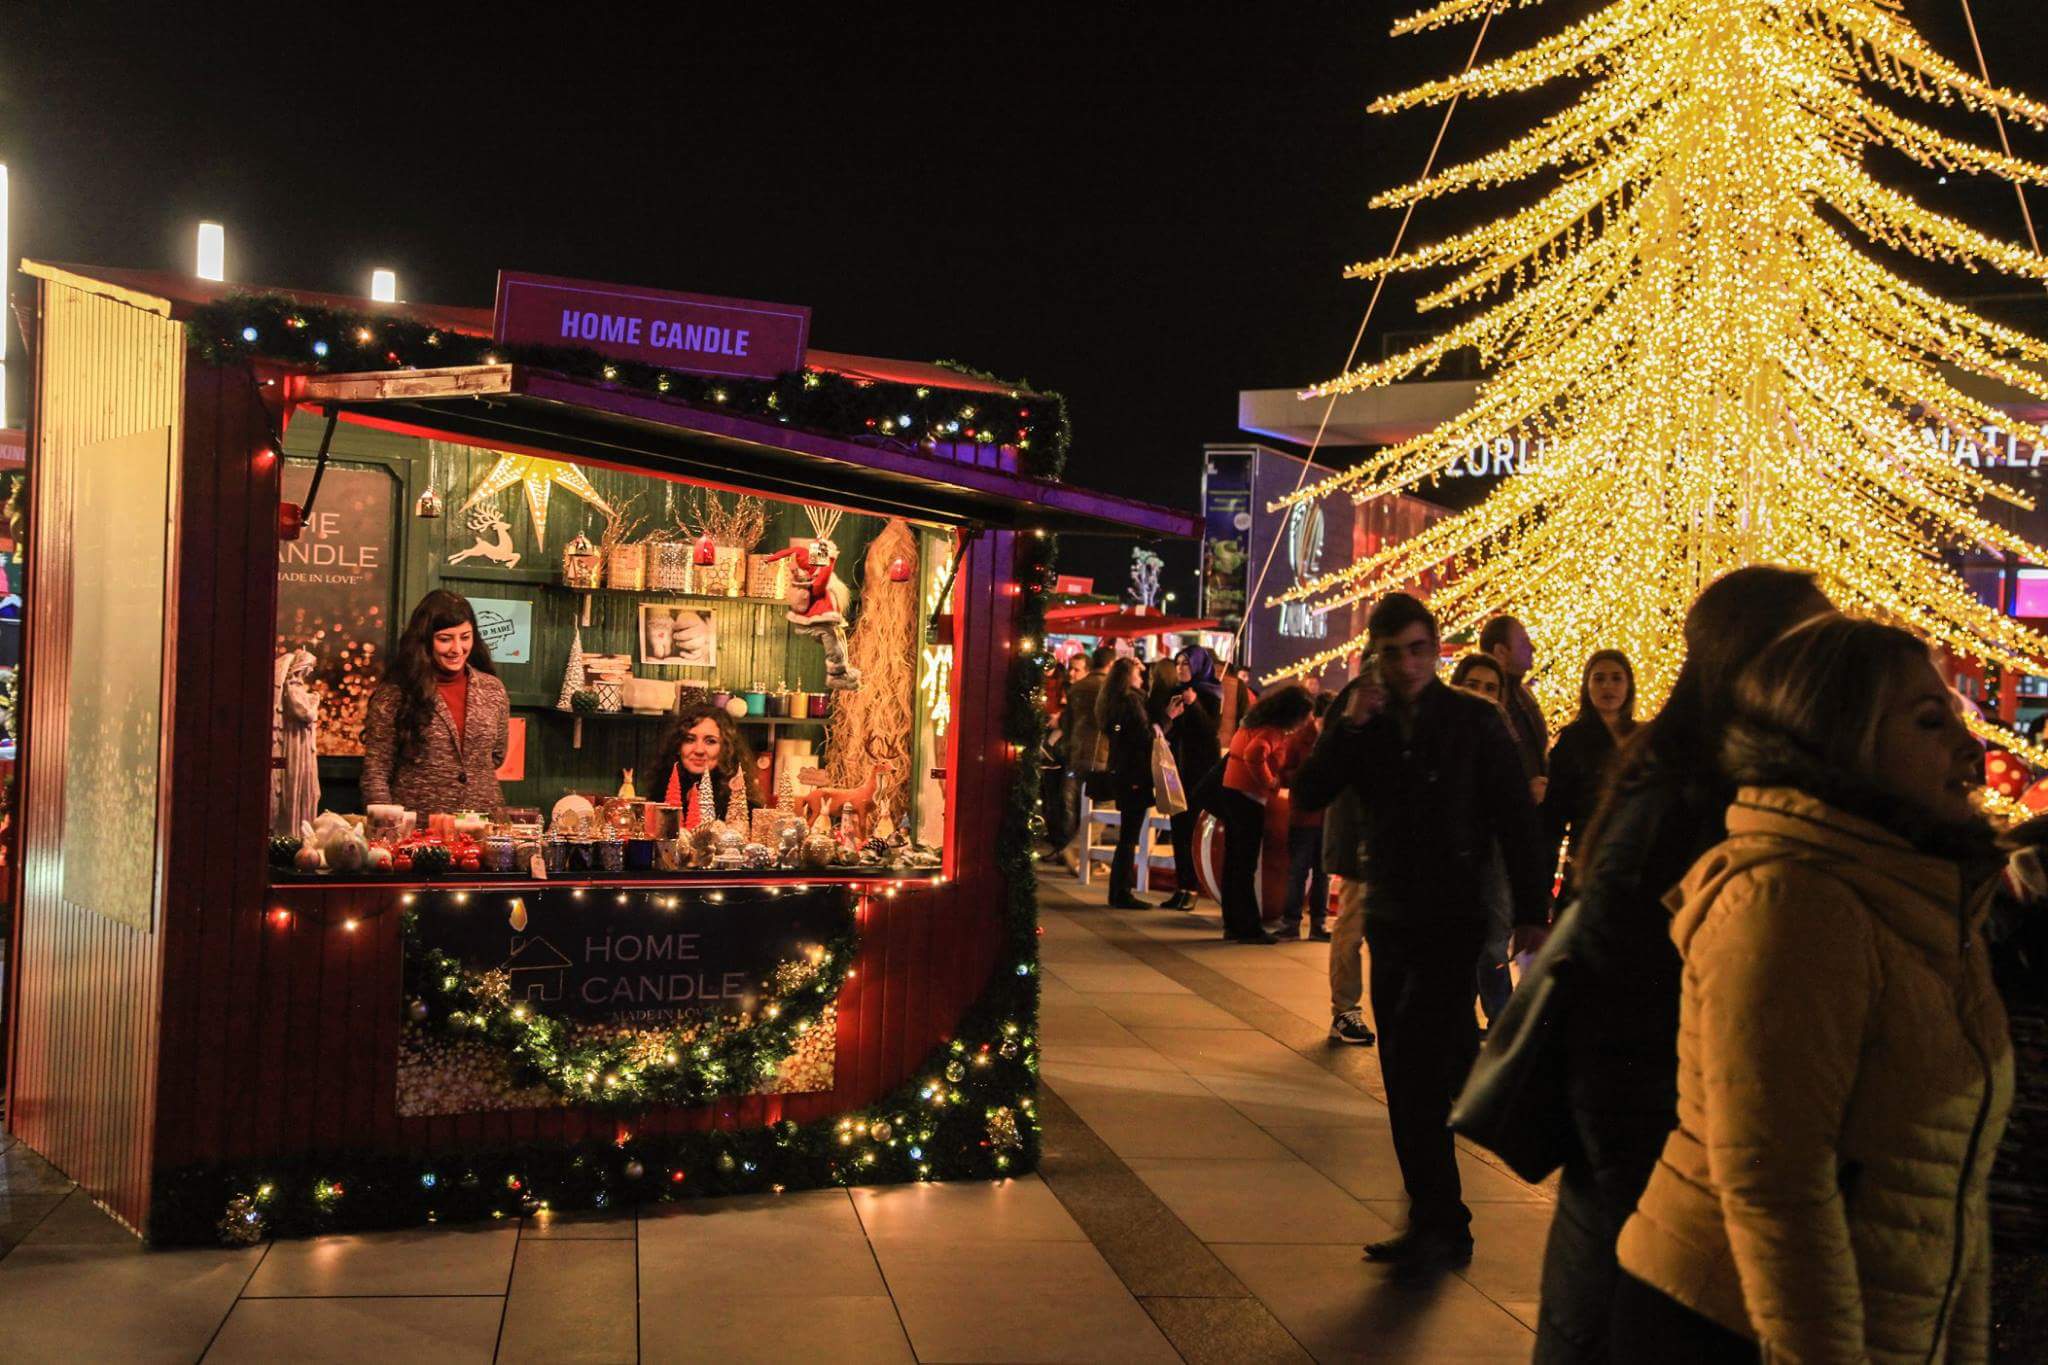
(1692, 322)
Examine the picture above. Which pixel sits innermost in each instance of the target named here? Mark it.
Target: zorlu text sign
(694, 333)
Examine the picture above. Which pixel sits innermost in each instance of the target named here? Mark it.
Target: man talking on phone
(1437, 780)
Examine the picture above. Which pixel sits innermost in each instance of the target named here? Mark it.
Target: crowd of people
(1785, 1064)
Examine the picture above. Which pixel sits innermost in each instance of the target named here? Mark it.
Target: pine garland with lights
(711, 1055)
(281, 329)
(967, 1112)
(1690, 321)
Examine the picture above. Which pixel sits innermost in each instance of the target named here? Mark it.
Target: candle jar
(757, 703)
(555, 853)
(500, 853)
(818, 700)
(582, 855)
(611, 855)
(640, 855)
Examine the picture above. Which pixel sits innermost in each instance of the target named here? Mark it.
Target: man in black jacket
(1438, 782)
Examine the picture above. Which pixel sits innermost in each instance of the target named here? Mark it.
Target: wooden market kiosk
(217, 1046)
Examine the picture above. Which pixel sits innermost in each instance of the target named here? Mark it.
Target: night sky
(1145, 207)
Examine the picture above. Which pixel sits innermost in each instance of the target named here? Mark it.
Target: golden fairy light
(1688, 322)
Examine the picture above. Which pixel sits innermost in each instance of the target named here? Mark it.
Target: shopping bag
(1168, 796)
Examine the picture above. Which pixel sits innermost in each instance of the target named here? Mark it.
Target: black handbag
(1516, 1103)
(1207, 794)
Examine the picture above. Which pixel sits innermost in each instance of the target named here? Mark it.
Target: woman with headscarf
(1188, 715)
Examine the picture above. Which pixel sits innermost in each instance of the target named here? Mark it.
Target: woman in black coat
(1584, 748)
(1121, 715)
(1664, 810)
(1188, 712)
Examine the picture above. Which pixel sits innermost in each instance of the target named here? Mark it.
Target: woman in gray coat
(435, 734)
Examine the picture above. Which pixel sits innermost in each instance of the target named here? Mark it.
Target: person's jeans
(1133, 804)
(1244, 830)
(1305, 877)
(1185, 878)
(1347, 937)
(1070, 791)
(1422, 1003)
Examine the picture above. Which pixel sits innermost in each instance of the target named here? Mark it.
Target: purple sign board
(1293, 546)
(689, 333)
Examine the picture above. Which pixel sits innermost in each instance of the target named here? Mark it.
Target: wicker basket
(725, 578)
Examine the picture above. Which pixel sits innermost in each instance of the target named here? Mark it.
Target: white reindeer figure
(483, 518)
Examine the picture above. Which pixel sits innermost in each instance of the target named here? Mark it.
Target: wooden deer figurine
(485, 518)
(831, 802)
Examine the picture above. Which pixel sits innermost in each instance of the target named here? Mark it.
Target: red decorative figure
(2005, 774)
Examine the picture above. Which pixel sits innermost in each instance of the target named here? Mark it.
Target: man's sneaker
(1349, 1027)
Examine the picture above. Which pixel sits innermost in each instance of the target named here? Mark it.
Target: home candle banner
(647, 962)
(692, 333)
(335, 586)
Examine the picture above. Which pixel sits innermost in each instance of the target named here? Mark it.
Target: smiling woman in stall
(434, 737)
(703, 740)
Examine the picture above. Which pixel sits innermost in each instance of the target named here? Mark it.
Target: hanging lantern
(582, 565)
(899, 570)
(707, 550)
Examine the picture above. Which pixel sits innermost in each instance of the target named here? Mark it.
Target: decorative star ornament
(538, 477)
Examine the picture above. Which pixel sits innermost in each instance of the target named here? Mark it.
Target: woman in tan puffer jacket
(1844, 1068)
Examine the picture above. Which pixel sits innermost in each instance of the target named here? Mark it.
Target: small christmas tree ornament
(572, 673)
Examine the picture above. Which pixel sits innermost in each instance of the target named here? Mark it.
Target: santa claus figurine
(819, 597)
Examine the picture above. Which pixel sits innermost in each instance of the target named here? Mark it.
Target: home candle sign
(691, 333)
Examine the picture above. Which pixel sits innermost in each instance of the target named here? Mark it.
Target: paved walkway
(1212, 1166)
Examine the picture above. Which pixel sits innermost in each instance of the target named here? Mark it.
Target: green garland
(712, 1055)
(277, 327)
(966, 1113)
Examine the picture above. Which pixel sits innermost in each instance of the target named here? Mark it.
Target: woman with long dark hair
(1584, 748)
(435, 732)
(703, 740)
(1485, 676)
(1252, 777)
(1664, 806)
(1121, 716)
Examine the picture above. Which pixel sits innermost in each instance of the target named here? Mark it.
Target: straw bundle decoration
(884, 647)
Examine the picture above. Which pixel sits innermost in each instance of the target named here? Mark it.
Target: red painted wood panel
(283, 1039)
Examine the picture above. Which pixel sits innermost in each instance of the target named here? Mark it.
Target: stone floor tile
(1164, 1011)
(1020, 1210)
(1360, 1157)
(1224, 1331)
(1342, 1309)
(794, 1325)
(695, 1254)
(1131, 976)
(431, 1261)
(1165, 1121)
(1078, 1058)
(1037, 1301)
(23, 1171)
(1507, 1249)
(77, 1221)
(610, 1226)
(1080, 1025)
(116, 1303)
(1524, 1311)
(446, 1331)
(573, 1302)
(1259, 1201)
(21, 1211)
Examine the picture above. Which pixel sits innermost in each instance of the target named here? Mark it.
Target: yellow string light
(1716, 371)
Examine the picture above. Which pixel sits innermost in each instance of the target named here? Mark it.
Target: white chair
(1155, 844)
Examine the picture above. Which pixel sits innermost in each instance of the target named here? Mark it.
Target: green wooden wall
(756, 648)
